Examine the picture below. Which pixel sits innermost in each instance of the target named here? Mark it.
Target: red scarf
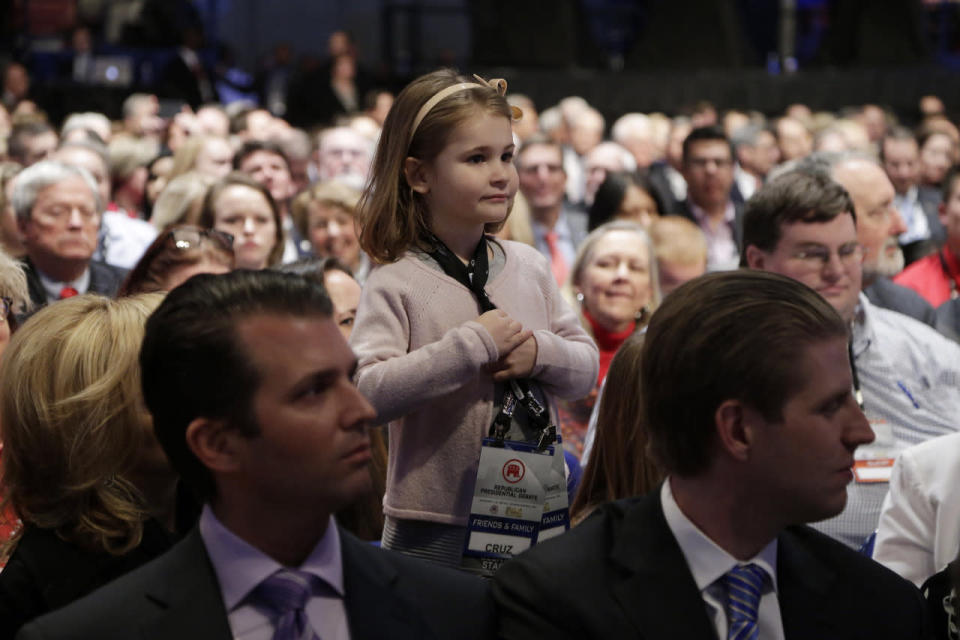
(607, 341)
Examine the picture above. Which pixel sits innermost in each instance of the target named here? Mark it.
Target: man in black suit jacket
(747, 405)
(58, 214)
(248, 380)
(918, 205)
(713, 202)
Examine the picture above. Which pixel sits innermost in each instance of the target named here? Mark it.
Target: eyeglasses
(6, 306)
(185, 238)
(818, 256)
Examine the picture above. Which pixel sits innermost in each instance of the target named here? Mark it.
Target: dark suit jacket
(886, 293)
(178, 82)
(177, 596)
(621, 574)
(105, 279)
(577, 221)
(929, 199)
(45, 573)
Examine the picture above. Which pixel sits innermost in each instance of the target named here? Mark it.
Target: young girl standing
(434, 356)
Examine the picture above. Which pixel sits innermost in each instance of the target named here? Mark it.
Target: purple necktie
(285, 594)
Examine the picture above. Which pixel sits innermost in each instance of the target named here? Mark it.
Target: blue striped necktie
(744, 586)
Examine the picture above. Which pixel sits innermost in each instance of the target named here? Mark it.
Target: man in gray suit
(58, 213)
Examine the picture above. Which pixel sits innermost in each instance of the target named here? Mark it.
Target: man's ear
(213, 443)
(22, 225)
(734, 427)
(755, 257)
(415, 171)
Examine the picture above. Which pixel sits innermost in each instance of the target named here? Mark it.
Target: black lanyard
(474, 276)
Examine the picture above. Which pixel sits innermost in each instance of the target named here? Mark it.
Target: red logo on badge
(513, 471)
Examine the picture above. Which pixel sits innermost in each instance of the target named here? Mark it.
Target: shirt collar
(240, 567)
(561, 228)
(52, 287)
(707, 561)
(729, 214)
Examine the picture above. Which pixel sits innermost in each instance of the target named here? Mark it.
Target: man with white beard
(344, 155)
(879, 226)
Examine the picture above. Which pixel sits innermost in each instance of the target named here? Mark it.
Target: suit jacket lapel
(657, 592)
(373, 609)
(189, 600)
(37, 293)
(804, 585)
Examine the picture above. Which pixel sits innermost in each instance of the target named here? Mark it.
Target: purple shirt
(722, 253)
(240, 567)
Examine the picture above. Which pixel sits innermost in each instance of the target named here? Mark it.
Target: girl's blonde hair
(73, 422)
(392, 216)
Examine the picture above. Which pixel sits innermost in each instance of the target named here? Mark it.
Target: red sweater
(607, 342)
(928, 278)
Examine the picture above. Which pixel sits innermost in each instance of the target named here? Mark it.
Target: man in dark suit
(918, 205)
(748, 407)
(58, 213)
(713, 202)
(249, 383)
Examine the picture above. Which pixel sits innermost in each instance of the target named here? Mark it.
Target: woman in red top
(614, 284)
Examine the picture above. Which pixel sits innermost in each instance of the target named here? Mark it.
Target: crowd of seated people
(280, 243)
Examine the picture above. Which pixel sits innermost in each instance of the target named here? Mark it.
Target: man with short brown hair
(747, 405)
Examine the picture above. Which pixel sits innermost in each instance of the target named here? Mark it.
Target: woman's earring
(579, 297)
(642, 314)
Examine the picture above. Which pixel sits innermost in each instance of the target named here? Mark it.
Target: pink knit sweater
(420, 354)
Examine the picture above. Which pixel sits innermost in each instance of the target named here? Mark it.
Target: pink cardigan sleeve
(568, 361)
(400, 365)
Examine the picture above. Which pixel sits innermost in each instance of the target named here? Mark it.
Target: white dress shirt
(709, 564)
(53, 288)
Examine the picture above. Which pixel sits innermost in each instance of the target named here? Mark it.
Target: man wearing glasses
(906, 375)
(58, 215)
(710, 203)
(558, 229)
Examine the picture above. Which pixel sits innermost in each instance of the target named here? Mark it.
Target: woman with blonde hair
(81, 467)
(181, 201)
(620, 464)
(129, 158)
(210, 155)
(614, 285)
(14, 297)
(10, 239)
(325, 214)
